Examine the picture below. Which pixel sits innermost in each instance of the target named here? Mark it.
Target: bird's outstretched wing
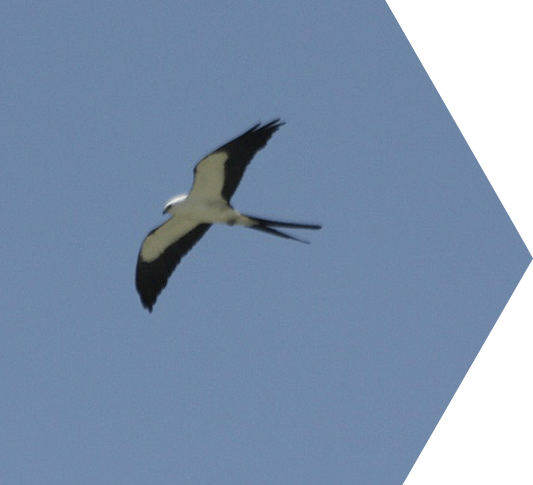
(160, 253)
(220, 173)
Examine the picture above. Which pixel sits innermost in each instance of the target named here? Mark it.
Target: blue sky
(264, 360)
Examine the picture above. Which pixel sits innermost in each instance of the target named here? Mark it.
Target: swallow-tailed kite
(216, 178)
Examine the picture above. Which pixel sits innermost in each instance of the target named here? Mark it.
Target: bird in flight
(216, 178)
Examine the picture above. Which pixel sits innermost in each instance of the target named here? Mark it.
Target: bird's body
(216, 178)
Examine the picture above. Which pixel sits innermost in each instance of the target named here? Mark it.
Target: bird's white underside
(204, 205)
(209, 175)
(156, 243)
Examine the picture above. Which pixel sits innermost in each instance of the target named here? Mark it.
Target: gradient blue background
(265, 361)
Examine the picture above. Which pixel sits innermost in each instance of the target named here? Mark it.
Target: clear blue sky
(264, 361)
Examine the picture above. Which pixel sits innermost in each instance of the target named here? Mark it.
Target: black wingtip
(150, 279)
(271, 126)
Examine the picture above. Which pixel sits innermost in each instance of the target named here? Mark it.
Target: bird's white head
(178, 199)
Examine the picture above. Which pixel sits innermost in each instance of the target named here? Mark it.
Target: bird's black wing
(238, 154)
(152, 276)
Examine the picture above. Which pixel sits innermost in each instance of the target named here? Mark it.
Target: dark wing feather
(241, 151)
(151, 277)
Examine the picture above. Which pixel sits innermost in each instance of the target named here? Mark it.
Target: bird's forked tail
(268, 226)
